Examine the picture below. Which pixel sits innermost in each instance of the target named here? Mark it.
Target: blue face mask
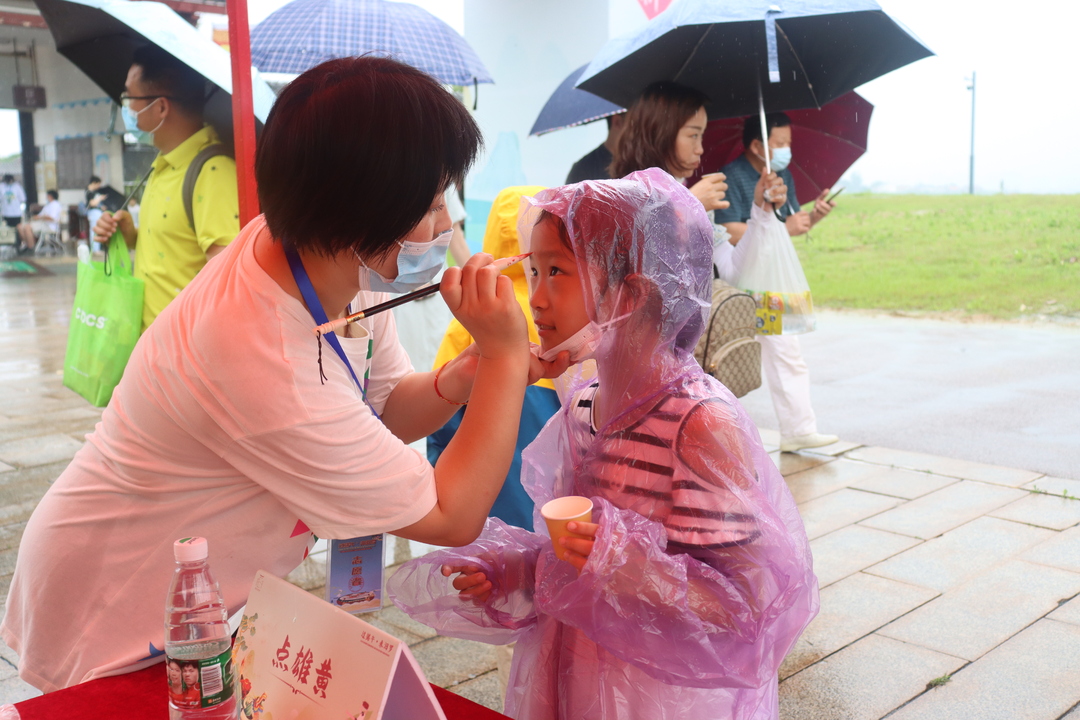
(131, 124)
(417, 265)
(781, 158)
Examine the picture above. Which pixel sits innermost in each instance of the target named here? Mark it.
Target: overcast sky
(1027, 100)
(1026, 108)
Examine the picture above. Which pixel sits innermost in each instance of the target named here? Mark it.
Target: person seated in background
(47, 220)
(594, 166)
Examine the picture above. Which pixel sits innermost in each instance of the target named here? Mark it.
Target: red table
(142, 696)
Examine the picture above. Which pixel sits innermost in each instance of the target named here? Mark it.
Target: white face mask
(781, 158)
(417, 265)
(582, 344)
(131, 123)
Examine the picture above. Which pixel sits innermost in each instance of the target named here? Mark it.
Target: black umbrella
(569, 106)
(100, 37)
(791, 54)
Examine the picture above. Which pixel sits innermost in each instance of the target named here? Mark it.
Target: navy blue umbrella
(304, 33)
(792, 54)
(569, 106)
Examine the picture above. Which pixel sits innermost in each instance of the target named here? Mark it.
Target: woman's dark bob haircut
(651, 126)
(354, 152)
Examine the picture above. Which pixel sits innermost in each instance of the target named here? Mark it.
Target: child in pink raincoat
(695, 579)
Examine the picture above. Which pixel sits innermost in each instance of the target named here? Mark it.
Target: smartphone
(833, 196)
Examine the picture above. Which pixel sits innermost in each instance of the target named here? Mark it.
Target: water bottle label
(201, 683)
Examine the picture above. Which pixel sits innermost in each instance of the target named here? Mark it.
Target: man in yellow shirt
(165, 98)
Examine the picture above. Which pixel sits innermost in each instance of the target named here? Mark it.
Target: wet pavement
(949, 559)
(992, 392)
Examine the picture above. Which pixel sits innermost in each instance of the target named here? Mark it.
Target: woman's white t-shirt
(221, 428)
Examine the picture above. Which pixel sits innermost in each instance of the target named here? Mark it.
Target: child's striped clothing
(638, 466)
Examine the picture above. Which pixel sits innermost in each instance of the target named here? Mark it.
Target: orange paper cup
(561, 511)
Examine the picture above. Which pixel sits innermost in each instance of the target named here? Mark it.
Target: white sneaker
(802, 442)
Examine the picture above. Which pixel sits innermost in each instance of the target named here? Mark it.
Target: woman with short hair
(235, 422)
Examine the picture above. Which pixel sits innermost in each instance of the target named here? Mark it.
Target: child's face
(557, 299)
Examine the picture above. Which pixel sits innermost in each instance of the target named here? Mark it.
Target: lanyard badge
(354, 567)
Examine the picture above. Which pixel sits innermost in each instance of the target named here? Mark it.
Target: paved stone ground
(933, 569)
(992, 392)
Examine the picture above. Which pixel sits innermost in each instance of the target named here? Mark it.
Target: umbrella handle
(764, 127)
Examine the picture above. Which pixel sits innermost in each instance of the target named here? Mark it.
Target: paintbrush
(329, 327)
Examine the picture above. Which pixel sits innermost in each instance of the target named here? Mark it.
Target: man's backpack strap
(192, 175)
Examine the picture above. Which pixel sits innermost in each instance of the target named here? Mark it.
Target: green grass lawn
(998, 255)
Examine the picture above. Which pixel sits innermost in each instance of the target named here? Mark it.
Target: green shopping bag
(105, 324)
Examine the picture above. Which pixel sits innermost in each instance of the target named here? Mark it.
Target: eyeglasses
(125, 99)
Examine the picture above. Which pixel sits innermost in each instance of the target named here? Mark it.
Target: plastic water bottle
(197, 639)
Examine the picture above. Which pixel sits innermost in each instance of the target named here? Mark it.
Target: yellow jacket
(500, 240)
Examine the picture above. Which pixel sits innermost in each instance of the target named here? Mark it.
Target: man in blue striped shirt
(744, 172)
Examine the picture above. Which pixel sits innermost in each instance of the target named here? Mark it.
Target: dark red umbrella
(824, 143)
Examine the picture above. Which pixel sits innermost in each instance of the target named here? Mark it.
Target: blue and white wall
(529, 48)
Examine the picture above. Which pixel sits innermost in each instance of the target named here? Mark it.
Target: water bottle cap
(190, 549)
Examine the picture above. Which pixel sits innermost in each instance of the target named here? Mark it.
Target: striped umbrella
(305, 33)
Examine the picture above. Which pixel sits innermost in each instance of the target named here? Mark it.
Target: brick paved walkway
(932, 569)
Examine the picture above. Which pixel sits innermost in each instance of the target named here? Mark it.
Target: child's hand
(470, 583)
(543, 369)
(579, 548)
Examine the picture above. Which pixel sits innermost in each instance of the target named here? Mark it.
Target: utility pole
(971, 167)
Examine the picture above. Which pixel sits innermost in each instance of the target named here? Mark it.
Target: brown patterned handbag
(727, 349)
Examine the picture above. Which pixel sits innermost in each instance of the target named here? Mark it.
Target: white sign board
(300, 658)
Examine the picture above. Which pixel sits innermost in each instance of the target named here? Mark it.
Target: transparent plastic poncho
(700, 579)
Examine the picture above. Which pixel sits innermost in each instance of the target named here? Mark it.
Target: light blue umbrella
(100, 37)
(304, 33)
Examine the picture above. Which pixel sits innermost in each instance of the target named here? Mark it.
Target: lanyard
(341, 564)
(311, 300)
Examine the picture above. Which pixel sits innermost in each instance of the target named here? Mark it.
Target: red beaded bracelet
(452, 402)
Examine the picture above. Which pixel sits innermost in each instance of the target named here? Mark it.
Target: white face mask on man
(781, 158)
(131, 123)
